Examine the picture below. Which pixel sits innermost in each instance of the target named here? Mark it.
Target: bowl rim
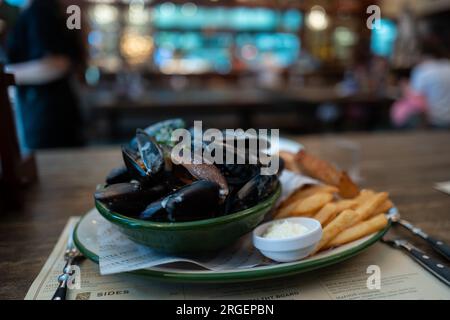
(132, 223)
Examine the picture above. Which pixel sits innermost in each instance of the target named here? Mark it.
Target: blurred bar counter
(299, 110)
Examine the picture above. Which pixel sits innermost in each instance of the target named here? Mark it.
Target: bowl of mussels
(184, 207)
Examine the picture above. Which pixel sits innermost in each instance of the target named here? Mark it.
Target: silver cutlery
(438, 245)
(71, 255)
(436, 268)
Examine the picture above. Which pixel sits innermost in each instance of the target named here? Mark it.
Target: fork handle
(60, 293)
(438, 245)
(439, 270)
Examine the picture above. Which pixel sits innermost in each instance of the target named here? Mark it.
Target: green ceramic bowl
(189, 237)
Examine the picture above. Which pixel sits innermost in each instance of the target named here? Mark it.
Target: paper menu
(401, 278)
(119, 254)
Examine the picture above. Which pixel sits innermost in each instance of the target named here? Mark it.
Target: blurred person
(8, 17)
(426, 98)
(409, 112)
(43, 54)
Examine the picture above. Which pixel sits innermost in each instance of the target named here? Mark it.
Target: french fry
(312, 204)
(289, 161)
(363, 196)
(305, 207)
(331, 210)
(327, 213)
(308, 191)
(383, 208)
(366, 209)
(358, 231)
(346, 204)
(343, 221)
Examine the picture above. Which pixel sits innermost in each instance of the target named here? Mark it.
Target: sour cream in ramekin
(288, 239)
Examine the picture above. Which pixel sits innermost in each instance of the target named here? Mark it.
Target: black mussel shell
(134, 163)
(129, 198)
(238, 174)
(199, 200)
(150, 153)
(118, 175)
(254, 191)
(281, 166)
(154, 211)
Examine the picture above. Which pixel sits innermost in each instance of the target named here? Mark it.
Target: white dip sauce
(285, 229)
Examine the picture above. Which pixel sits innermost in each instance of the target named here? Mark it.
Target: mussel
(238, 174)
(209, 172)
(150, 152)
(152, 187)
(259, 188)
(199, 200)
(161, 131)
(129, 198)
(145, 163)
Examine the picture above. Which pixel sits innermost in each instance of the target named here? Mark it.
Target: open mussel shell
(196, 201)
(128, 198)
(260, 187)
(147, 172)
(209, 172)
(150, 153)
(133, 162)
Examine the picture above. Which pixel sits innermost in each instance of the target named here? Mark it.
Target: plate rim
(277, 271)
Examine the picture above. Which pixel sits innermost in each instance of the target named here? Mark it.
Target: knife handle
(438, 245)
(438, 269)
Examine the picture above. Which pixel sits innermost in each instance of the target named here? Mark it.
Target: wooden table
(405, 164)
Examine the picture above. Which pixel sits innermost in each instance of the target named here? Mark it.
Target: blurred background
(299, 65)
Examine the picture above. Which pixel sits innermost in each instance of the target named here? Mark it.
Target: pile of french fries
(346, 213)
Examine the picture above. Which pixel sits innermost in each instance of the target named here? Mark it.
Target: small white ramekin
(289, 249)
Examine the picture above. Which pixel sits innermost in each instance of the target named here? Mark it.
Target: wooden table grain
(404, 164)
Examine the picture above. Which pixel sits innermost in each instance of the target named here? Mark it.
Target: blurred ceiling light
(104, 13)
(344, 36)
(189, 9)
(136, 48)
(167, 8)
(92, 75)
(185, 66)
(317, 18)
(249, 51)
(95, 38)
(137, 13)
